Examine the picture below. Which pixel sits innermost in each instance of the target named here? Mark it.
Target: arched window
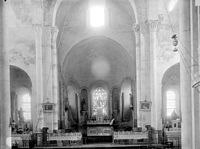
(171, 102)
(97, 16)
(99, 102)
(26, 106)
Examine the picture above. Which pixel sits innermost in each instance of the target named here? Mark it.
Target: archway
(21, 101)
(126, 100)
(171, 102)
(72, 106)
(98, 58)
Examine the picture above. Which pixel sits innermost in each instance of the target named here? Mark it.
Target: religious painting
(145, 105)
(48, 107)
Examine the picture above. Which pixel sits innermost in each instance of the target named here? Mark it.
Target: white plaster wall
(20, 40)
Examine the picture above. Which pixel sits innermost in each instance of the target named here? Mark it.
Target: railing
(64, 139)
(130, 137)
(21, 140)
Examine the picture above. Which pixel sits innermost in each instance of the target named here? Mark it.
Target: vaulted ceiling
(98, 58)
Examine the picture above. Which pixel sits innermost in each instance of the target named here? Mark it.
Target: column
(55, 83)
(5, 129)
(145, 115)
(39, 122)
(153, 26)
(185, 74)
(136, 29)
(50, 75)
(195, 71)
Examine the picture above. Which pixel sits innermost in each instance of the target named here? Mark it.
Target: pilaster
(136, 28)
(153, 28)
(39, 77)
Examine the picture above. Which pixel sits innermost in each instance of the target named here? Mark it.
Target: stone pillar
(38, 123)
(195, 72)
(50, 75)
(55, 84)
(145, 115)
(185, 74)
(136, 29)
(153, 26)
(46, 75)
(5, 129)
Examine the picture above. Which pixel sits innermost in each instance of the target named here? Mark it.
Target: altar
(99, 131)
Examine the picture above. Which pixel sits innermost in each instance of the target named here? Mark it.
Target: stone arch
(21, 71)
(133, 5)
(83, 48)
(125, 100)
(171, 82)
(73, 103)
(94, 37)
(21, 91)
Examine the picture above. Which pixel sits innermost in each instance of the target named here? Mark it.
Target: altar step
(110, 146)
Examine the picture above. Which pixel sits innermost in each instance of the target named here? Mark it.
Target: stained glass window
(99, 102)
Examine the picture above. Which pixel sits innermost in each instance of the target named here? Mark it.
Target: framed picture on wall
(48, 107)
(145, 105)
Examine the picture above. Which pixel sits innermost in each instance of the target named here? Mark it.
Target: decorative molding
(153, 25)
(37, 28)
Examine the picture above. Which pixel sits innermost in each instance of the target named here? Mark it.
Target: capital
(37, 28)
(153, 25)
(54, 32)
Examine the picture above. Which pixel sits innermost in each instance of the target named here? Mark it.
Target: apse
(98, 58)
(100, 68)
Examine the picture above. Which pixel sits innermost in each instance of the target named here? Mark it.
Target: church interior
(100, 74)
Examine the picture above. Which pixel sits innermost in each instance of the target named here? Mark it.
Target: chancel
(99, 74)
